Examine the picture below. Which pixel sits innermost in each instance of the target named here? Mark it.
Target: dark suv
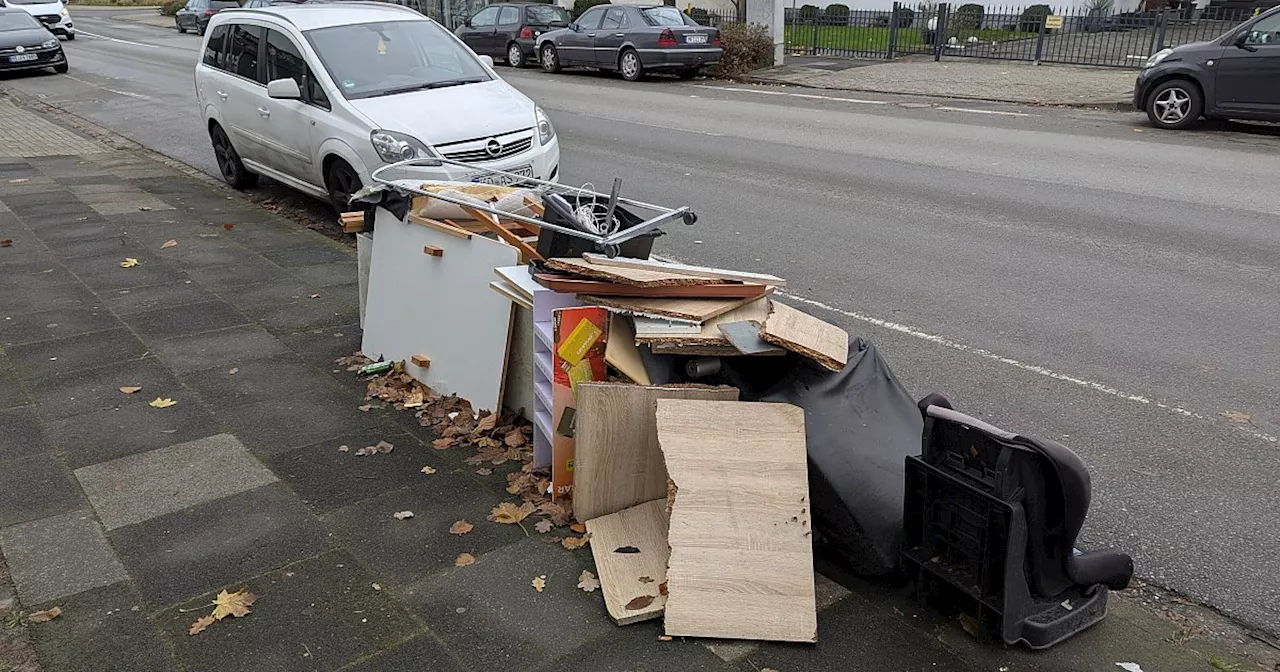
(510, 30)
(195, 16)
(1236, 76)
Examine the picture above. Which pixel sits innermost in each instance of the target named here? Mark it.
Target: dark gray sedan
(632, 39)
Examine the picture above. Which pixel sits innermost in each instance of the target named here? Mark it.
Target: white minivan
(52, 13)
(318, 96)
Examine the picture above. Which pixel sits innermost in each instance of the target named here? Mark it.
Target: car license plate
(696, 39)
(23, 57)
(503, 180)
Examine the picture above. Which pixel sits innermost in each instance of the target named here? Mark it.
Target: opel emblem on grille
(493, 147)
(20, 49)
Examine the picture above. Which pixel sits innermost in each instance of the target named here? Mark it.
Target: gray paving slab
(257, 380)
(103, 629)
(424, 652)
(218, 542)
(185, 320)
(636, 647)
(326, 479)
(320, 347)
(103, 272)
(331, 306)
(59, 556)
(46, 358)
(228, 348)
(22, 432)
(98, 388)
(261, 299)
(147, 485)
(278, 425)
(319, 614)
(329, 274)
(58, 323)
(65, 295)
(36, 486)
(124, 302)
(13, 392)
(70, 249)
(319, 251)
(131, 428)
(66, 230)
(246, 272)
(38, 278)
(490, 611)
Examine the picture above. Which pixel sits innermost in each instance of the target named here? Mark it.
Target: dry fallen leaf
(233, 372)
(129, 262)
(6, 243)
(200, 624)
(509, 514)
(19, 180)
(578, 527)
(364, 408)
(441, 444)
(315, 296)
(588, 581)
(515, 438)
(574, 543)
(402, 515)
(384, 447)
(461, 527)
(464, 560)
(428, 470)
(45, 616)
(664, 638)
(640, 602)
(539, 582)
(487, 423)
(228, 226)
(970, 624)
(544, 526)
(130, 389)
(168, 244)
(343, 448)
(232, 604)
(1236, 416)
(162, 402)
(484, 471)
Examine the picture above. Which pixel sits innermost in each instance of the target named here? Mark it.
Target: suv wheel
(549, 58)
(515, 55)
(233, 171)
(1175, 104)
(342, 181)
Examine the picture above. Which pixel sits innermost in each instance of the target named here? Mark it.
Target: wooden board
(694, 350)
(710, 335)
(520, 279)
(683, 269)
(561, 283)
(621, 352)
(694, 310)
(617, 462)
(439, 307)
(741, 564)
(625, 276)
(800, 332)
(507, 290)
(643, 527)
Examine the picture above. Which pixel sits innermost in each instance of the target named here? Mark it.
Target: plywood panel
(800, 332)
(683, 269)
(625, 276)
(562, 283)
(741, 564)
(627, 576)
(694, 310)
(618, 463)
(440, 307)
(710, 334)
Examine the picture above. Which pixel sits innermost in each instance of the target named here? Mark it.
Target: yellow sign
(1053, 21)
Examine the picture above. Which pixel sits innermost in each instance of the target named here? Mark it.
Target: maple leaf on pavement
(232, 604)
(130, 389)
(464, 560)
(539, 583)
(129, 262)
(588, 581)
(578, 527)
(510, 514)
(544, 526)
(441, 444)
(487, 423)
(162, 402)
(402, 515)
(574, 543)
(429, 470)
(45, 616)
(515, 439)
(200, 624)
(460, 528)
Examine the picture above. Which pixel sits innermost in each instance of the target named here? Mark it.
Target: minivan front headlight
(393, 147)
(545, 130)
(65, 13)
(1156, 58)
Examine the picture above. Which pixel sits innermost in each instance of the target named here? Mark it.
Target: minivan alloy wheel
(1173, 105)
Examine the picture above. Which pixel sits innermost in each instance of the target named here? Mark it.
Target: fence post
(940, 30)
(1040, 39)
(893, 30)
(1163, 21)
(813, 49)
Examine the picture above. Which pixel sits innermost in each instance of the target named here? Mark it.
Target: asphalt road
(1066, 274)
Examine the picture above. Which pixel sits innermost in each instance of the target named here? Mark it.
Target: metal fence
(1034, 33)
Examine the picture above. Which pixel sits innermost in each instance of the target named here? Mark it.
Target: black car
(510, 30)
(195, 16)
(1236, 76)
(25, 44)
(632, 39)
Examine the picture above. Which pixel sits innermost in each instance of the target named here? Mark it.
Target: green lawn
(875, 39)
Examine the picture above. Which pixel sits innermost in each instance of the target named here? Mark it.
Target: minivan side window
(510, 16)
(215, 51)
(487, 17)
(284, 60)
(1266, 31)
(242, 52)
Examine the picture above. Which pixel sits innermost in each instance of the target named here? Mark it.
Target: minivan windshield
(31, 2)
(367, 60)
(16, 20)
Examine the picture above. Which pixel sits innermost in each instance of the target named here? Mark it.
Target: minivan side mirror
(284, 89)
(487, 60)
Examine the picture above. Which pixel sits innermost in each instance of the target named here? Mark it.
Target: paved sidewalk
(130, 518)
(1002, 81)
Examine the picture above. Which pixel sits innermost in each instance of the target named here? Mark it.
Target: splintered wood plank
(800, 332)
(694, 310)
(560, 283)
(684, 269)
(618, 463)
(625, 276)
(710, 335)
(624, 577)
(526, 251)
(741, 564)
(443, 227)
